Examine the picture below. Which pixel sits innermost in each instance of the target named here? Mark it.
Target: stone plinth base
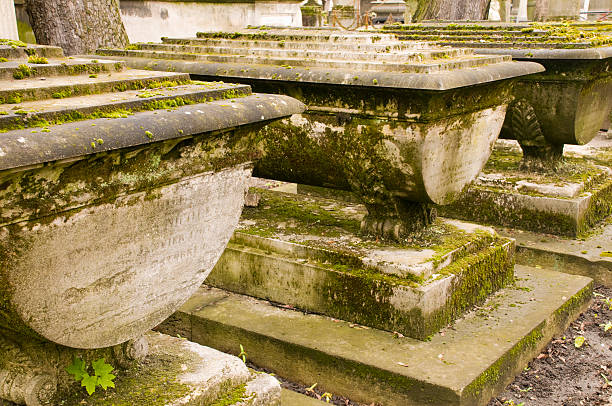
(462, 366)
(307, 252)
(566, 202)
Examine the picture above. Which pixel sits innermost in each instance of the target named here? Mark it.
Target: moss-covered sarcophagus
(120, 190)
(401, 124)
(538, 188)
(566, 104)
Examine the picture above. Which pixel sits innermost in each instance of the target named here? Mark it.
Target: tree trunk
(452, 10)
(78, 26)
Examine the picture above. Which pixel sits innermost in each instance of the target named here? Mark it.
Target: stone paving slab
(465, 364)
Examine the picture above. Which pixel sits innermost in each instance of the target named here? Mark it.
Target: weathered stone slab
(467, 365)
(589, 256)
(303, 251)
(380, 120)
(567, 202)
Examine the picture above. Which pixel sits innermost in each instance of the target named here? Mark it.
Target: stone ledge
(67, 141)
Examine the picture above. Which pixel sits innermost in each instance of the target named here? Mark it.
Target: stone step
(59, 87)
(500, 37)
(40, 113)
(411, 67)
(396, 46)
(492, 32)
(465, 364)
(356, 55)
(362, 295)
(22, 69)
(268, 44)
(16, 49)
(326, 35)
(526, 45)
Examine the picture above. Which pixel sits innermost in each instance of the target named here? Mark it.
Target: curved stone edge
(534, 54)
(376, 79)
(21, 148)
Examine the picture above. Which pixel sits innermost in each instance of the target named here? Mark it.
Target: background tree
(78, 26)
(452, 10)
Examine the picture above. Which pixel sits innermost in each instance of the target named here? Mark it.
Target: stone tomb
(312, 301)
(120, 190)
(566, 104)
(403, 125)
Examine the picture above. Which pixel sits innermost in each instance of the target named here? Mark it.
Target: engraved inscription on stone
(92, 293)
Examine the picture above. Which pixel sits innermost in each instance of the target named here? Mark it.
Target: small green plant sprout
(606, 381)
(327, 396)
(102, 374)
(3, 60)
(579, 341)
(375, 81)
(242, 354)
(606, 327)
(605, 300)
(39, 60)
(511, 403)
(149, 134)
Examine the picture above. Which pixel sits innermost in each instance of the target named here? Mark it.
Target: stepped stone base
(180, 372)
(306, 252)
(590, 256)
(465, 365)
(567, 202)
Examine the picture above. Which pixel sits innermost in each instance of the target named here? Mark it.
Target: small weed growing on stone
(242, 354)
(3, 60)
(102, 374)
(579, 341)
(606, 327)
(40, 60)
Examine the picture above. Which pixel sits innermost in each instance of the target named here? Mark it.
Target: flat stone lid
(324, 56)
(67, 108)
